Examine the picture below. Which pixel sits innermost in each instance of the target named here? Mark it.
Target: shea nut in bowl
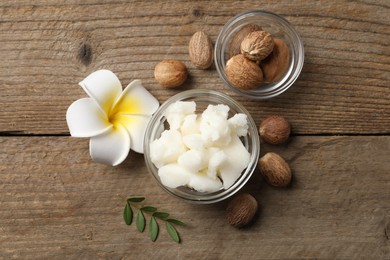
(261, 40)
(201, 146)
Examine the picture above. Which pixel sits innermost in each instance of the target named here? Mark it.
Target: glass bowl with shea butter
(258, 77)
(201, 146)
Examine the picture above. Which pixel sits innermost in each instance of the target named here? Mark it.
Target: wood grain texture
(48, 46)
(56, 203)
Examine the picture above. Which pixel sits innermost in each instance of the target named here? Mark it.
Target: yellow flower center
(120, 113)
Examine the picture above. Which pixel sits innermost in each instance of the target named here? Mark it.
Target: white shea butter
(203, 152)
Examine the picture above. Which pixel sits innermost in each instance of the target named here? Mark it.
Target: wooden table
(56, 203)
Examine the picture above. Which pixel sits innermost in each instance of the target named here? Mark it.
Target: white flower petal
(136, 128)
(85, 119)
(135, 100)
(111, 147)
(104, 87)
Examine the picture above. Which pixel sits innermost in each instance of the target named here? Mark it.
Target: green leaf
(161, 215)
(153, 229)
(172, 232)
(131, 215)
(149, 209)
(140, 221)
(128, 214)
(136, 199)
(176, 222)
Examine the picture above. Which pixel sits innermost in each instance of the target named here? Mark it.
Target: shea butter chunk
(190, 125)
(238, 159)
(174, 175)
(193, 141)
(201, 182)
(239, 122)
(167, 148)
(191, 160)
(214, 125)
(176, 113)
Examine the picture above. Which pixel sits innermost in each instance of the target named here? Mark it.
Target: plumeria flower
(115, 121)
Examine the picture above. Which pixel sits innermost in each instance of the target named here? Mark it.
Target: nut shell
(276, 64)
(200, 50)
(275, 170)
(275, 130)
(241, 210)
(257, 45)
(235, 43)
(170, 73)
(243, 73)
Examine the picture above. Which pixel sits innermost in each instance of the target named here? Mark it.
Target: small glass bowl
(203, 98)
(279, 28)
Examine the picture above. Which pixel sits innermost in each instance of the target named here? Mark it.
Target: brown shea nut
(257, 45)
(201, 50)
(170, 73)
(275, 170)
(276, 64)
(243, 73)
(275, 130)
(235, 43)
(241, 210)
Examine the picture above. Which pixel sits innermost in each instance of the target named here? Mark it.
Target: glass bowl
(279, 28)
(203, 98)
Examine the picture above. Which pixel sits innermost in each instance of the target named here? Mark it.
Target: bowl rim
(252, 135)
(250, 93)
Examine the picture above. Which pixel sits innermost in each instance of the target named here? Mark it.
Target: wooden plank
(56, 203)
(48, 46)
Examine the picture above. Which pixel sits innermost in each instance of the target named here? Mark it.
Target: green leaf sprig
(133, 204)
